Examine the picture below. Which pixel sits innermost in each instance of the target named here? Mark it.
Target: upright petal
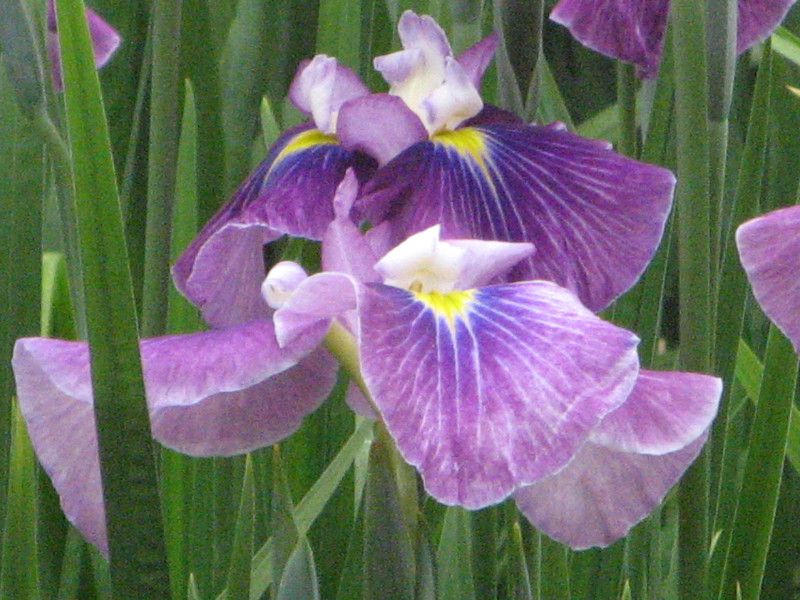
(665, 412)
(315, 302)
(379, 125)
(602, 493)
(475, 59)
(595, 217)
(321, 86)
(768, 248)
(290, 192)
(212, 393)
(488, 390)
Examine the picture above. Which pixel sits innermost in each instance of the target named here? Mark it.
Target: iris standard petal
(321, 86)
(488, 390)
(211, 393)
(290, 192)
(633, 30)
(769, 247)
(475, 59)
(602, 493)
(380, 125)
(666, 411)
(105, 42)
(594, 216)
(313, 304)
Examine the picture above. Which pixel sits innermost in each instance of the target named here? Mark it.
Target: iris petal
(602, 493)
(290, 192)
(105, 42)
(488, 390)
(212, 393)
(665, 412)
(768, 248)
(633, 30)
(595, 217)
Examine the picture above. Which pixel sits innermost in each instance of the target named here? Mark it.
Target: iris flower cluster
(465, 254)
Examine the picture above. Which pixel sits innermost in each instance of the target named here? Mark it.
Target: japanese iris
(105, 41)
(633, 30)
(594, 216)
(768, 248)
(489, 390)
(444, 158)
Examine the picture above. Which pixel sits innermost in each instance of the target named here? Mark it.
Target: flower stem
(342, 345)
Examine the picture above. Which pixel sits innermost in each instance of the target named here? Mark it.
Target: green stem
(342, 345)
(693, 198)
(626, 104)
(162, 167)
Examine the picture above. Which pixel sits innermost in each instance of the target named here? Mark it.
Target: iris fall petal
(211, 393)
(595, 217)
(633, 30)
(492, 389)
(769, 247)
(290, 192)
(666, 411)
(602, 493)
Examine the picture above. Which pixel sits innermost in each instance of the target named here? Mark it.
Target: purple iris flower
(633, 30)
(768, 248)
(105, 41)
(489, 390)
(594, 216)
(290, 192)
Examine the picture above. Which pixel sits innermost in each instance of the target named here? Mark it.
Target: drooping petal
(595, 217)
(488, 390)
(212, 393)
(633, 30)
(379, 125)
(290, 192)
(602, 493)
(666, 411)
(475, 59)
(321, 86)
(769, 246)
(105, 42)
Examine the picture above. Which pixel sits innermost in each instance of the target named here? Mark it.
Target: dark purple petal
(633, 30)
(475, 59)
(595, 217)
(602, 493)
(665, 412)
(105, 42)
(212, 393)
(290, 192)
(489, 390)
(769, 247)
(379, 125)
